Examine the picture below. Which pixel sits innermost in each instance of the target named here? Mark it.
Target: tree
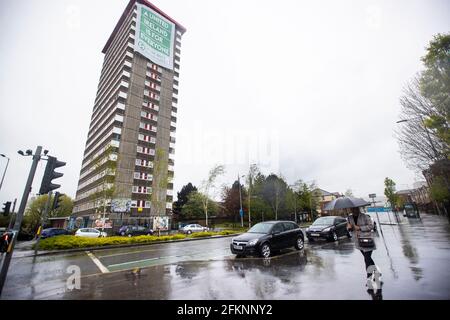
(252, 173)
(160, 182)
(308, 198)
(232, 199)
(274, 192)
(105, 165)
(439, 191)
(389, 192)
(435, 86)
(194, 206)
(424, 138)
(35, 210)
(182, 197)
(208, 185)
(419, 146)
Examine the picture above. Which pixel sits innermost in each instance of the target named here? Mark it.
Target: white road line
(97, 262)
(162, 258)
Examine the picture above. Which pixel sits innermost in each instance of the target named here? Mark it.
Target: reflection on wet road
(414, 264)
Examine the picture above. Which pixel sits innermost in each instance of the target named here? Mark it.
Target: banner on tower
(155, 37)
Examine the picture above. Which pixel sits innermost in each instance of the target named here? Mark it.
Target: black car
(265, 237)
(329, 228)
(52, 232)
(135, 231)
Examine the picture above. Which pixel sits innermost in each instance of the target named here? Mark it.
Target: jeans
(368, 259)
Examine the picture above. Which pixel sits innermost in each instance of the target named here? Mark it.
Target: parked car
(135, 231)
(329, 228)
(190, 228)
(265, 237)
(90, 233)
(52, 232)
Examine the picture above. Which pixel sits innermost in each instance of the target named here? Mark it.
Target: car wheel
(149, 234)
(265, 250)
(129, 235)
(299, 244)
(334, 236)
(189, 232)
(122, 234)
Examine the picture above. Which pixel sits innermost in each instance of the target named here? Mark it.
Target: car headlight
(326, 229)
(252, 242)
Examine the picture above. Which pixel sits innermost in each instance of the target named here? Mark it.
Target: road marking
(97, 262)
(139, 262)
(139, 251)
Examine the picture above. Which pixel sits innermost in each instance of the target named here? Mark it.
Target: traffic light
(5, 241)
(6, 208)
(50, 174)
(57, 200)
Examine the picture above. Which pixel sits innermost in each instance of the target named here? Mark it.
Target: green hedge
(72, 242)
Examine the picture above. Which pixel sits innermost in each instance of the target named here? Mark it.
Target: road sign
(379, 209)
(241, 212)
(372, 195)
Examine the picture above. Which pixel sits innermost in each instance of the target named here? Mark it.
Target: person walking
(361, 224)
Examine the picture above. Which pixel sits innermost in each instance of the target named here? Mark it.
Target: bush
(203, 234)
(73, 242)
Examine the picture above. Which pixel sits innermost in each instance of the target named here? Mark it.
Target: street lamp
(241, 212)
(4, 172)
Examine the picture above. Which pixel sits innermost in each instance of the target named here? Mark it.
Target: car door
(290, 234)
(278, 236)
(141, 231)
(93, 233)
(341, 226)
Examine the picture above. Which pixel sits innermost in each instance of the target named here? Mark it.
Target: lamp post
(241, 212)
(19, 217)
(4, 172)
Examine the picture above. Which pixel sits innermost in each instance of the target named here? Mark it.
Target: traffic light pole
(11, 221)
(43, 218)
(19, 218)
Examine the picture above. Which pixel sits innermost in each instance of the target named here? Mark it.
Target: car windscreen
(325, 221)
(261, 228)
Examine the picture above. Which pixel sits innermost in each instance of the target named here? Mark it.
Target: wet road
(414, 263)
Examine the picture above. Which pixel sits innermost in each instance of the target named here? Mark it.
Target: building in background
(323, 197)
(127, 168)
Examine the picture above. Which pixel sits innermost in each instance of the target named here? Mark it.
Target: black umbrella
(345, 202)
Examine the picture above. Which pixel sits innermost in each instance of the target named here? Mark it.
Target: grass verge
(72, 242)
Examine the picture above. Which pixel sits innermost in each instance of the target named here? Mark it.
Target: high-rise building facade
(127, 168)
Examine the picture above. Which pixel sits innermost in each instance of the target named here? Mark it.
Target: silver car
(190, 228)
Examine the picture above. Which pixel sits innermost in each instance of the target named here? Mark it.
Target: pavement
(413, 257)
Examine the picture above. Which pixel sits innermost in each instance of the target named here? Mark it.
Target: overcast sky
(308, 89)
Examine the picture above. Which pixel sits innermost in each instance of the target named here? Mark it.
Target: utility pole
(4, 172)
(11, 220)
(240, 201)
(19, 218)
(249, 196)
